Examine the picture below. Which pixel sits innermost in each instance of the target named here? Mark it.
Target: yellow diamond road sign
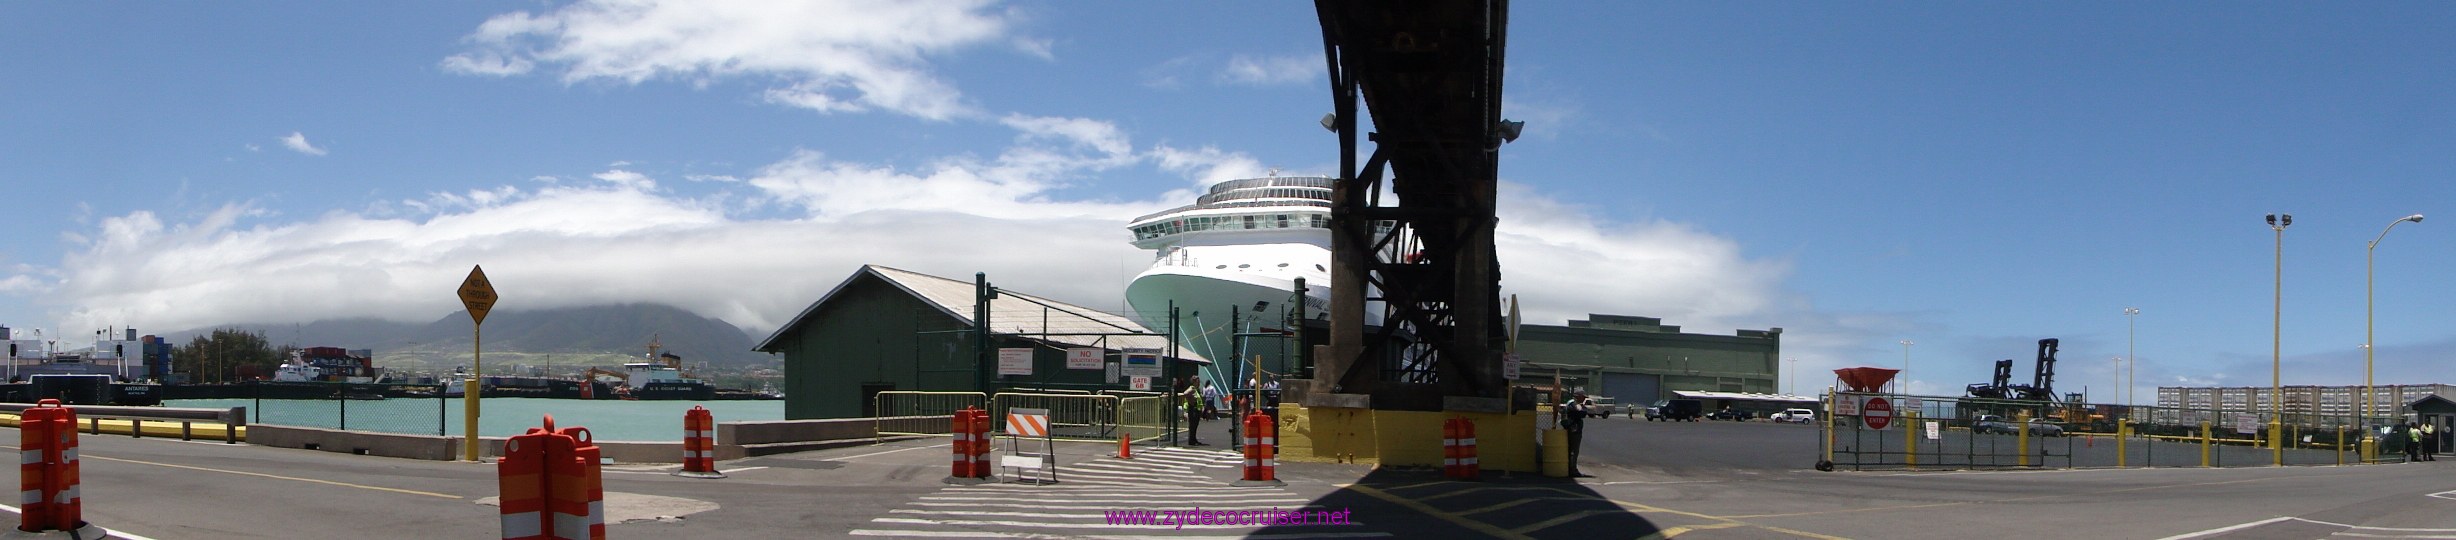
(477, 294)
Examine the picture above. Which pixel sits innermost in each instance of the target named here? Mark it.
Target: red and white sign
(1878, 413)
(1140, 384)
(1027, 422)
(1084, 359)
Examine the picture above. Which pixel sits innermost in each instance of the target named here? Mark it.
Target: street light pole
(1906, 367)
(2276, 341)
(1794, 375)
(2131, 358)
(2370, 266)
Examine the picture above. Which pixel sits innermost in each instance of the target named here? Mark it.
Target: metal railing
(230, 419)
(1071, 416)
(904, 413)
(385, 407)
(1929, 432)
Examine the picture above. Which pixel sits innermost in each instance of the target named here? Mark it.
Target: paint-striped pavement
(1080, 504)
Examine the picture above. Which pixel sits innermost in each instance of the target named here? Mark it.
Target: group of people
(2421, 440)
(1202, 401)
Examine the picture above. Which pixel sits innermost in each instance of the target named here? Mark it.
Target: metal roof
(1014, 314)
(1744, 396)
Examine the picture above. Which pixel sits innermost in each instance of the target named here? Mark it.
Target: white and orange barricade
(699, 444)
(1458, 450)
(970, 429)
(47, 469)
(1261, 451)
(553, 485)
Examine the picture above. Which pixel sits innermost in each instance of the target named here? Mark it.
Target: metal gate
(920, 413)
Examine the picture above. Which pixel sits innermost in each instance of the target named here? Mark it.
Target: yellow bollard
(2204, 443)
(1910, 440)
(2340, 445)
(2123, 435)
(1556, 453)
(2024, 427)
(2276, 443)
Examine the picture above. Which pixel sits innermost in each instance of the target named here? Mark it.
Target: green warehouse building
(1639, 360)
(885, 329)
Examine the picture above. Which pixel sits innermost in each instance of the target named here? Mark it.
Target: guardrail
(902, 412)
(231, 419)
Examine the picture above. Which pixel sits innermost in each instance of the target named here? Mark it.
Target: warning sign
(1140, 384)
(1083, 359)
(1878, 413)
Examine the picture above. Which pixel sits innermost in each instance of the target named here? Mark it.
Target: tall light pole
(1906, 366)
(2131, 359)
(2119, 380)
(1794, 375)
(2370, 265)
(2276, 341)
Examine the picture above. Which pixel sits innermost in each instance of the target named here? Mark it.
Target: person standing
(2413, 443)
(1573, 420)
(1192, 398)
(2430, 442)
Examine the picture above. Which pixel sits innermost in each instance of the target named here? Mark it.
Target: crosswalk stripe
(987, 534)
(1005, 523)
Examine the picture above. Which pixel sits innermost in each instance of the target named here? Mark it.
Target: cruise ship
(1244, 243)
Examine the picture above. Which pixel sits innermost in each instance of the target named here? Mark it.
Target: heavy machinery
(2042, 381)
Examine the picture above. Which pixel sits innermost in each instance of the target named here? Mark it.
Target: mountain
(596, 335)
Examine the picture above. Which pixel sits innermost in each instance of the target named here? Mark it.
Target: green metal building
(1638, 360)
(886, 329)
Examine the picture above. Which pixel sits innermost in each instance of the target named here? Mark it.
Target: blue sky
(1972, 177)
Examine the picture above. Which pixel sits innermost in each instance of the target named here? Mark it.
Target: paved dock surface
(1686, 480)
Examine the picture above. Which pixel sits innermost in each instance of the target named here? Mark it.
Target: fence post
(2204, 443)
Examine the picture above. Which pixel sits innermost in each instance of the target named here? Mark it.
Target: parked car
(1604, 407)
(1801, 416)
(1731, 414)
(1674, 410)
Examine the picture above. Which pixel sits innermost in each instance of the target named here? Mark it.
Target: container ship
(658, 376)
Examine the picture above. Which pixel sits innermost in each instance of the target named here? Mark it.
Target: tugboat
(660, 377)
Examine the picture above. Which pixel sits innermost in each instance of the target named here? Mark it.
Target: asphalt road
(1687, 480)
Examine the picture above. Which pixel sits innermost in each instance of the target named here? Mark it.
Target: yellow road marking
(1675, 532)
(1565, 518)
(263, 475)
(1426, 509)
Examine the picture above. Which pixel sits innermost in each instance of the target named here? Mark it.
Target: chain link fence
(1929, 432)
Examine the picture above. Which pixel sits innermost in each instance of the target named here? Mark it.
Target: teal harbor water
(606, 420)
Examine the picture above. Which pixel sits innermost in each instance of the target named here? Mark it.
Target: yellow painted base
(1401, 438)
(153, 428)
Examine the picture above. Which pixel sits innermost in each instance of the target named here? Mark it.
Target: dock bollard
(1261, 451)
(47, 470)
(699, 444)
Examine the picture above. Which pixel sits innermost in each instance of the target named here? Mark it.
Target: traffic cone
(1125, 445)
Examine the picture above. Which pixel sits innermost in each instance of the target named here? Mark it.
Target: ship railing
(133, 419)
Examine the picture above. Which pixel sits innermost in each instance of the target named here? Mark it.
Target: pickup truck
(1988, 423)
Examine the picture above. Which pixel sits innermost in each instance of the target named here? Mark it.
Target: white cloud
(251, 147)
(297, 142)
(1270, 70)
(627, 179)
(843, 56)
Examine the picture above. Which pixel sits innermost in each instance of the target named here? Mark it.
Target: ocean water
(606, 420)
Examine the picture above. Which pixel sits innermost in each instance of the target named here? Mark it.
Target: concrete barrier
(368, 443)
(785, 436)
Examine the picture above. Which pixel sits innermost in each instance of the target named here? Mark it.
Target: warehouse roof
(1014, 314)
(1743, 396)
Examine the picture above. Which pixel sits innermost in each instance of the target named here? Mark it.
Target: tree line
(229, 354)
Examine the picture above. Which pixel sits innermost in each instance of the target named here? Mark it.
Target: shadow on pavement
(1419, 503)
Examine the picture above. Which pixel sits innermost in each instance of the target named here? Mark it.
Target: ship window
(1249, 222)
(1245, 266)
(1319, 267)
(1221, 267)
(1283, 265)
